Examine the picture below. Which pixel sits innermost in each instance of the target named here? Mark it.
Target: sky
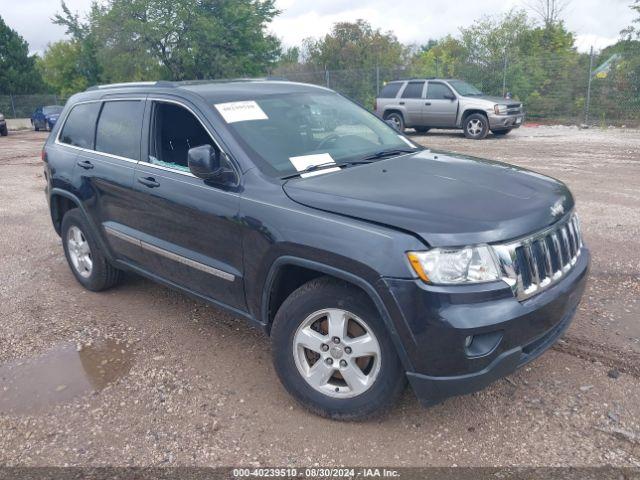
(595, 22)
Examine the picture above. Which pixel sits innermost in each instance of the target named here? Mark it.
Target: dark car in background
(367, 258)
(45, 118)
(4, 131)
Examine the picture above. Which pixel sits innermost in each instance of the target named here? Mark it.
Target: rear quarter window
(80, 127)
(390, 91)
(119, 128)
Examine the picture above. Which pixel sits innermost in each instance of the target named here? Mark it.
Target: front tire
(87, 262)
(4, 132)
(476, 126)
(397, 119)
(332, 352)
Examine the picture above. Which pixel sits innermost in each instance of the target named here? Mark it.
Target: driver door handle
(86, 164)
(149, 182)
(427, 103)
(401, 103)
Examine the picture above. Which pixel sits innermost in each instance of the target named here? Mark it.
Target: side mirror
(204, 162)
(392, 124)
(450, 97)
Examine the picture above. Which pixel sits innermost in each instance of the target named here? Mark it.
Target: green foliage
(355, 46)
(61, 68)
(182, 39)
(85, 44)
(352, 51)
(18, 73)
(132, 40)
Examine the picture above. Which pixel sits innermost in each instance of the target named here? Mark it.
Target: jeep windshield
(287, 134)
(465, 89)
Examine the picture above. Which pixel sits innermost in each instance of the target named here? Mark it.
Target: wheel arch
(60, 202)
(274, 294)
(471, 111)
(391, 110)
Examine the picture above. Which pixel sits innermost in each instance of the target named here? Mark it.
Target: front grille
(514, 108)
(534, 263)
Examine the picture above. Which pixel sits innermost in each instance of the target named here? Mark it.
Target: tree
(354, 53)
(440, 58)
(355, 46)
(549, 11)
(60, 67)
(18, 73)
(182, 39)
(632, 31)
(85, 45)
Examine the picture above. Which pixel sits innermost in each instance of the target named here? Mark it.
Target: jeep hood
(445, 199)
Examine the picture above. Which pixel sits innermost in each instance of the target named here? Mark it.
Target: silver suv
(423, 104)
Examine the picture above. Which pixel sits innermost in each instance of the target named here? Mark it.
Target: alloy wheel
(475, 127)
(79, 252)
(337, 353)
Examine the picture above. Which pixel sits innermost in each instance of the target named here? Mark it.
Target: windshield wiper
(389, 153)
(322, 166)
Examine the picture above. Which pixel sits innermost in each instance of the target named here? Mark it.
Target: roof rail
(160, 83)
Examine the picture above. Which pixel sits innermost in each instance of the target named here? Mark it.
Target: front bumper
(497, 122)
(506, 333)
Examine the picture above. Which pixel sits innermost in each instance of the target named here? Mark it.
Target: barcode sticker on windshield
(406, 141)
(305, 161)
(241, 111)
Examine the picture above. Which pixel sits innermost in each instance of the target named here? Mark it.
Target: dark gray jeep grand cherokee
(366, 258)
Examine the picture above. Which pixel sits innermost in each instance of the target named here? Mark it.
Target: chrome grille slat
(536, 262)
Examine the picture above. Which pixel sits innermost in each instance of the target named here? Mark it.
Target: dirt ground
(142, 375)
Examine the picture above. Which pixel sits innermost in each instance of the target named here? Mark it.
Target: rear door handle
(149, 182)
(86, 164)
(427, 103)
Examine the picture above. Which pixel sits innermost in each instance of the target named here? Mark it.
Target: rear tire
(397, 119)
(501, 133)
(37, 128)
(476, 126)
(4, 132)
(87, 262)
(373, 375)
(422, 130)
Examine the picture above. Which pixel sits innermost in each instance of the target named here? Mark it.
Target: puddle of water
(61, 374)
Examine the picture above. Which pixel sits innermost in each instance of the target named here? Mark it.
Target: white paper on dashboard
(241, 111)
(303, 162)
(406, 141)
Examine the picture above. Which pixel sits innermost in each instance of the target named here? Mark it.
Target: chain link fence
(568, 90)
(22, 106)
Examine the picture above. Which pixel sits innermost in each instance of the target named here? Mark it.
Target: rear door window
(413, 90)
(119, 128)
(80, 127)
(391, 90)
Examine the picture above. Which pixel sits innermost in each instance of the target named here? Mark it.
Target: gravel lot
(142, 375)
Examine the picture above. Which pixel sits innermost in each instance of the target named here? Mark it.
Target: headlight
(1, 117)
(455, 266)
(500, 109)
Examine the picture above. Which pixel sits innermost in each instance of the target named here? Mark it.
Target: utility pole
(504, 75)
(13, 106)
(588, 105)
